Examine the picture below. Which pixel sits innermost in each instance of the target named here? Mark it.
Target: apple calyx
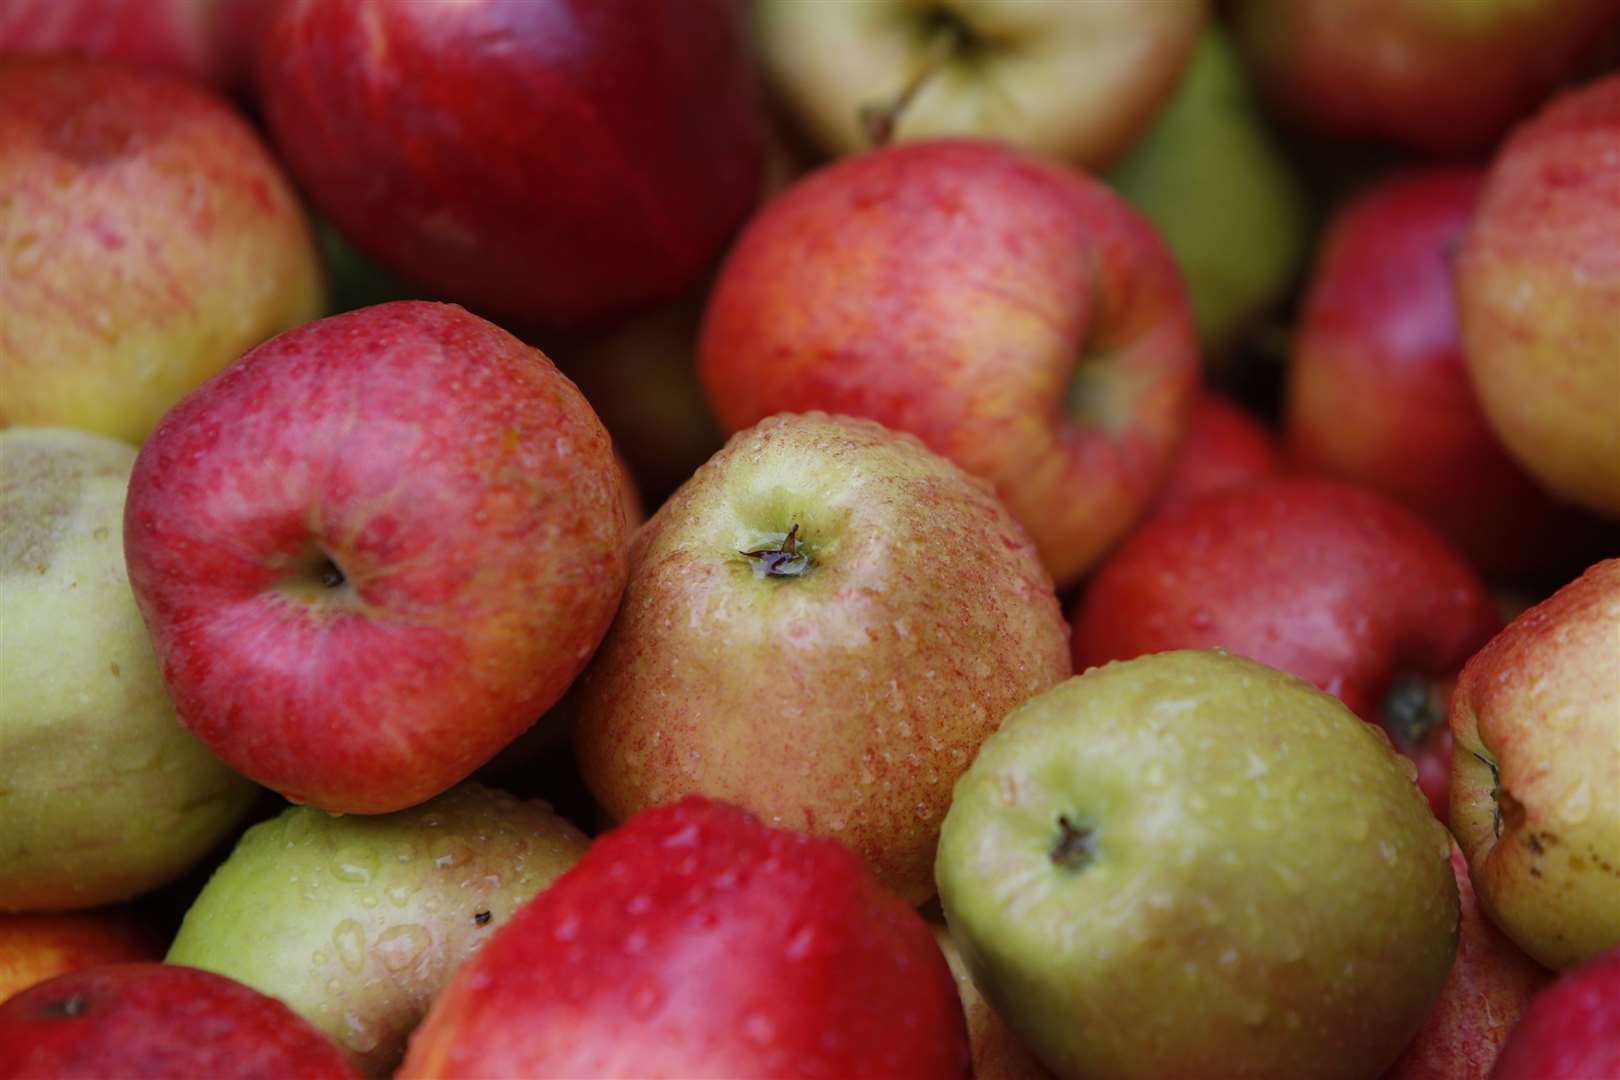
(1075, 846)
(784, 560)
(945, 36)
(1412, 709)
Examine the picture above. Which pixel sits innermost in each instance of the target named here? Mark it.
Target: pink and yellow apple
(374, 551)
(37, 947)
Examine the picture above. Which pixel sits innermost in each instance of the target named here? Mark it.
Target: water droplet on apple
(798, 946)
(646, 998)
(399, 894)
(358, 1035)
(635, 942)
(333, 986)
(1203, 619)
(354, 865)
(567, 929)
(350, 941)
(759, 1029)
(400, 946)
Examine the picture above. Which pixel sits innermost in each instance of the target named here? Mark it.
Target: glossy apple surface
(840, 686)
(1072, 81)
(374, 551)
(1021, 319)
(1572, 1030)
(1379, 391)
(1191, 864)
(155, 1021)
(1226, 448)
(695, 941)
(1535, 776)
(150, 240)
(1444, 78)
(557, 163)
(1538, 293)
(1326, 581)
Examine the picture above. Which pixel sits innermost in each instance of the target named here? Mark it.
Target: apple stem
(330, 573)
(880, 118)
(1076, 844)
(1496, 791)
(784, 560)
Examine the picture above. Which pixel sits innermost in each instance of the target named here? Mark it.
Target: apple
(1572, 1030)
(1491, 984)
(1216, 183)
(374, 550)
(1073, 81)
(37, 947)
(695, 941)
(1020, 318)
(103, 795)
(1538, 295)
(1327, 581)
(997, 1052)
(822, 626)
(139, 1021)
(1442, 78)
(356, 922)
(1226, 448)
(1379, 393)
(149, 240)
(1191, 864)
(1535, 776)
(560, 163)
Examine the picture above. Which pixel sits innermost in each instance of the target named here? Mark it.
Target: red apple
(135, 1021)
(1572, 1030)
(1226, 448)
(1444, 77)
(34, 948)
(1327, 581)
(1538, 293)
(1379, 393)
(374, 551)
(1020, 318)
(695, 941)
(1490, 985)
(149, 239)
(561, 163)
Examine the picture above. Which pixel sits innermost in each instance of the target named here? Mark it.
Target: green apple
(103, 795)
(357, 921)
(1213, 178)
(1190, 864)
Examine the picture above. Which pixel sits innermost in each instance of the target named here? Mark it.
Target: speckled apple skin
(472, 502)
(1538, 293)
(693, 941)
(1267, 894)
(37, 947)
(1572, 1030)
(559, 163)
(845, 702)
(149, 239)
(1535, 796)
(1491, 983)
(1325, 580)
(955, 290)
(159, 1020)
(357, 921)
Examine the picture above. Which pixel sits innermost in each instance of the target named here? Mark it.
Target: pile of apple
(1063, 539)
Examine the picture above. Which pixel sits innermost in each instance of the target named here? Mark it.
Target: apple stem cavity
(329, 573)
(784, 560)
(1075, 846)
(1411, 710)
(945, 37)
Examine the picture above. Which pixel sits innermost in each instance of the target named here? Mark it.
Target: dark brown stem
(880, 118)
(1075, 846)
(784, 560)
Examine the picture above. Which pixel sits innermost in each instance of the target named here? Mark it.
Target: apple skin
(294, 910)
(557, 163)
(997, 1052)
(1021, 319)
(1214, 180)
(138, 1021)
(1535, 775)
(1353, 69)
(844, 702)
(1324, 580)
(1379, 392)
(1072, 81)
(1491, 983)
(402, 516)
(103, 795)
(152, 239)
(36, 947)
(1226, 448)
(1264, 893)
(1572, 1030)
(695, 941)
(1538, 294)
